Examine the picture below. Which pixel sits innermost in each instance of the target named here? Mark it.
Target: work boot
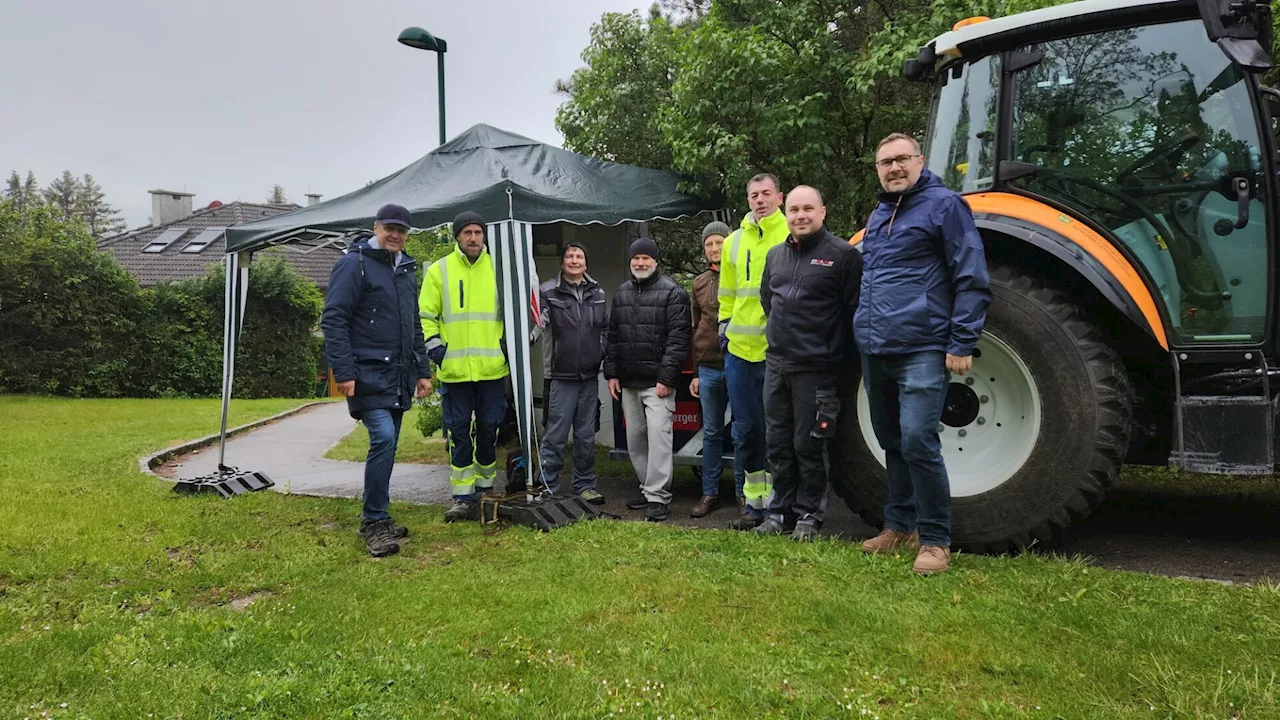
(379, 539)
(656, 512)
(459, 511)
(705, 506)
(592, 496)
(746, 521)
(804, 532)
(397, 531)
(889, 541)
(932, 559)
(639, 502)
(769, 526)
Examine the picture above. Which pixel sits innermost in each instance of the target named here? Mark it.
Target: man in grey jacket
(574, 322)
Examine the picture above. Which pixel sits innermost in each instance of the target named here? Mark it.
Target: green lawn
(119, 599)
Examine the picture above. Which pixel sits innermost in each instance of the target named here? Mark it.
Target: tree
(277, 196)
(93, 210)
(25, 195)
(63, 194)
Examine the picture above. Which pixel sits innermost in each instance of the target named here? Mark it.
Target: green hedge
(73, 322)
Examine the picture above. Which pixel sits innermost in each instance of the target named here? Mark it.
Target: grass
(414, 448)
(119, 599)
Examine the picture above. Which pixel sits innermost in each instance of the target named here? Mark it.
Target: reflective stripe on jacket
(740, 271)
(460, 310)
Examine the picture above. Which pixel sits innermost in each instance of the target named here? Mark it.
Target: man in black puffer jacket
(809, 291)
(650, 329)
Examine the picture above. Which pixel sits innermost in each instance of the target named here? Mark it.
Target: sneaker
(656, 512)
(592, 496)
(397, 531)
(932, 559)
(705, 506)
(639, 502)
(769, 526)
(804, 532)
(746, 521)
(379, 540)
(459, 511)
(889, 541)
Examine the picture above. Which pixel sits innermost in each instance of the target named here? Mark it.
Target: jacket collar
(767, 224)
(457, 249)
(657, 273)
(587, 281)
(369, 246)
(809, 242)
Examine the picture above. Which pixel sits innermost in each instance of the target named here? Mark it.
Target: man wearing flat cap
(462, 323)
(375, 346)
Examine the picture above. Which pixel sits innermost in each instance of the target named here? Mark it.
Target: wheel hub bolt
(962, 433)
(982, 421)
(941, 427)
(984, 398)
(968, 381)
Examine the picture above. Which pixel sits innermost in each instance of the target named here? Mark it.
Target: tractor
(1120, 159)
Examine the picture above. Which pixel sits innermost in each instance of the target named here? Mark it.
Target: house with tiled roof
(181, 243)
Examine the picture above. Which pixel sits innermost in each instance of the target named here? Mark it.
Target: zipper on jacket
(748, 265)
(462, 298)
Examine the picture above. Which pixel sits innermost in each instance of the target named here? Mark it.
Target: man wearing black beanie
(649, 336)
(463, 327)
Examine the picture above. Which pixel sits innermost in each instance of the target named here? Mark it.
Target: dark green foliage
(73, 322)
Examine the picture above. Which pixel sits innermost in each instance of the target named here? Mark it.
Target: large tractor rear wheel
(1032, 437)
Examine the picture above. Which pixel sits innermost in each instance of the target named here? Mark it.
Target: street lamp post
(416, 37)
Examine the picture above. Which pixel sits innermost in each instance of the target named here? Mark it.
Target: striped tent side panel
(516, 277)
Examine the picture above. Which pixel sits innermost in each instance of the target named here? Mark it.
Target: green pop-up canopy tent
(513, 182)
(500, 175)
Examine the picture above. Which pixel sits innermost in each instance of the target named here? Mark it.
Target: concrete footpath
(291, 452)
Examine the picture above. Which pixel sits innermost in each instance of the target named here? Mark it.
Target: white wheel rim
(983, 453)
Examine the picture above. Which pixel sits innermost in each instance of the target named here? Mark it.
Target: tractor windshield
(1150, 133)
(961, 142)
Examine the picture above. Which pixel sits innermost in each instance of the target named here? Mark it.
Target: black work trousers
(797, 405)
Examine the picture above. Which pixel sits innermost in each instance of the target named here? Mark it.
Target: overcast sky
(226, 99)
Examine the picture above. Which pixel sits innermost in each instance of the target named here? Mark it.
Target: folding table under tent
(511, 181)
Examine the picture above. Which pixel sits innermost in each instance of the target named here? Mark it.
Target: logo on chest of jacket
(822, 263)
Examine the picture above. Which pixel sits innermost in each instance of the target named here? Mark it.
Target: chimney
(168, 206)
(313, 199)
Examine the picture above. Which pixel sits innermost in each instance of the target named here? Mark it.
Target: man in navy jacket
(373, 340)
(923, 304)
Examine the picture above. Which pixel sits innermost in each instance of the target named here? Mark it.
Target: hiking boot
(769, 526)
(656, 512)
(932, 559)
(397, 531)
(592, 496)
(746, 521)
(459, 511)
(705, 506)
(639, 502)
(379, 539)
(804, 532)
(889, 541)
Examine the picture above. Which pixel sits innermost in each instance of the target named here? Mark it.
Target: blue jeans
(907, 393)
(384, 435)
(571, 404)
(746, 395)
(713, 393)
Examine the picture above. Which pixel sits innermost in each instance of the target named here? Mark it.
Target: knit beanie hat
(574, 245)
(715, 227)
(644, 246)
(464, 219)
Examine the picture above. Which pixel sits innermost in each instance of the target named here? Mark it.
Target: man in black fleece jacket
(809, 291)
(649, 336)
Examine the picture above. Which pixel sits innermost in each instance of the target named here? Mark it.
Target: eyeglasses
(902, 160)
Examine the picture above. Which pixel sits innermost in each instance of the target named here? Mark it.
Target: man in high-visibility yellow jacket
(462, 324)
(742, 336)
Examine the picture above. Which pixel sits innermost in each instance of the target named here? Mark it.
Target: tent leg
(228, 481)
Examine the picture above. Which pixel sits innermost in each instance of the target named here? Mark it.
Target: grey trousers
(649, 437)
(571, 404)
